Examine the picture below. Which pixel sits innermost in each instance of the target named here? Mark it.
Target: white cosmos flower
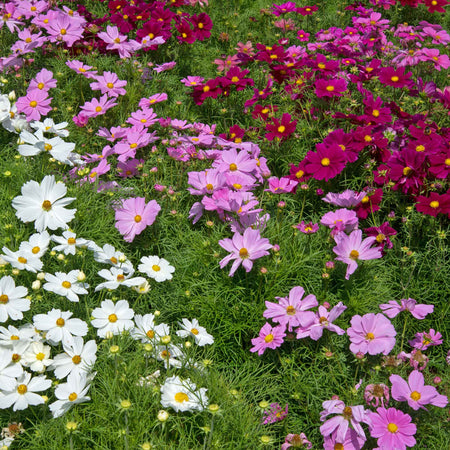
(116, 277)
(59, 326)
(65, 284)
(182, 395)
(37, 357)
(70, 393)
(108, 255)
(68, 242)
(79, 358)
(12, 335)
(44, 204)
(24, 392)
(19, 349)
(12, 301)
(49, 126)
(201, 336)
(144, 329)
(22, 260)
(112, 317)
(169, 354)
(157, 268)
(8, 370)
(37, 244)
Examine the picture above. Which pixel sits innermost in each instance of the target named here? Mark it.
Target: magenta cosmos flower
(350, 249)
(134, 216)
(415, 392)
(424, 340)
(244, 249)
(269, 337)
(326, 163)
(330, 88)
(393, 428)
(308, 228)
(371, 333)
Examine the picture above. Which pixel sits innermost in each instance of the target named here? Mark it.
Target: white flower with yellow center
(182, 395)
(44, 204)
(59, 326)
(144, 329)
(49, 126)
(116, 277)
(112, 317)
(70, 393)
(22, 260)
(37, 357)
(169, 354)
(65, 284)
(8, 370)
(12, 335)
(157, 268)
(24, 392)
(108, 255)
(193, 329)
(68, 243)
(37, 244)
(79, 357)
(12, 301)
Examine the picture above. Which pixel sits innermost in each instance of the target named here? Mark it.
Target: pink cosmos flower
(117, 41)
(109, 84)
(393, 428)
(424, 340)
(62, 28)
(309, 228)
(292, 311)
(376, 393)
(323, 320)
(330, 88)
(340, 220)
(43, 80)
(281, 185)
(269, 337)
(296, 441)
(352, 248)
(346, 416)
(351, 441)
(82, 68)
(134, 216)
(34, 104)
(244, 249)
(155, 98)
(392, 308)
(96, 107)
(346, 199)
(275, 413)
(415, 392)
(192, 81)
(371, 333)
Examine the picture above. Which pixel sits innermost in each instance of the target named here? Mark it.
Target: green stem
(404, 331)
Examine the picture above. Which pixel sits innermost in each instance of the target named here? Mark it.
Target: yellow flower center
(434, 204)
(120, 278)
(14, 337)
(40, 356)
(290, 310)
(380, 238)
(206, 88)
(33, 103)
(41, 86)
(150, 334)
(375, 113)
(415, 395)
(117, 40)
(233, 167)
(368, 138)
(237, 186)
(60, 322)
(268, 338)
(98, 108)
(210, 187)
(447, 162)
(330, 88)
(137, 218)
(22, 260)
(63, 31)
(420, 148)
(321, 66)
(112, 318)
(348, 414)
(325, 162)
(181, 397)
(151, 35)
(156, 268)
(394, 79)
(133, 145)
(392, 428)
(113, 260)
(235, 79)
(342, 146)
(194, 331)
(370, 336)
(406, 171)
(281, 129)
(22, 389)
(66, 284)
(299, 174)
(243, 253)
(4, 299)
(110, 85)
(73, 396)
(71, 241)
(80, 69)
(76, 359)
(48, 147)
(354, 254)
(35, 250)
(338, 446)
(200, 25)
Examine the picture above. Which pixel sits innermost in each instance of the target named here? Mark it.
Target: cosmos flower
(182, 395)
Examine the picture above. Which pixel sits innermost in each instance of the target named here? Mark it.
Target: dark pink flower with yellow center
(382, 234)
(269, 337)
(393, 428)
(371, 333)
(280, 129)
(326, 162)
(134, 216)
(244, 249)
(434, 204)
(330, 88)
(424, 340)
(415, 392)
(394, 77)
